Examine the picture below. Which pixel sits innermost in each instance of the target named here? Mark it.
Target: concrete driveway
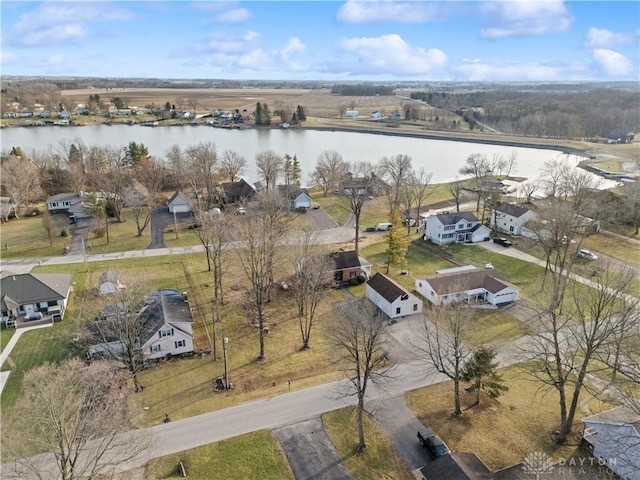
(79, 233)
(311, 454)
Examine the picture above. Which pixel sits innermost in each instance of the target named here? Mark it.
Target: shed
(109, 283)
(179, 203)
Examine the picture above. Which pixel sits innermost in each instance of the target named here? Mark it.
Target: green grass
(254, 455)
(27, 238)
(496, 326)
(122, 236)
(5, 335)
(500, 432)
(627, 251)
(378, 460)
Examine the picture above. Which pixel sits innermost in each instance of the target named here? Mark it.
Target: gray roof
(456, 466)
(453, 218)
(386, 287)
(181, 196)
(511, 209)
(164, 309)
(622, 415)
(239, 189)
(467, 280)
(64, 196)
(110, 276)
(346, 260)
(26, 288)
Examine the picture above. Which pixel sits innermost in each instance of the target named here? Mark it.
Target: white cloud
(612, 63)
(600, 37)
(293, 46)
(519, 18)
(238, 15)
(372, 11)
(56, 23)
(391, 54)
(8, 57)
(494, 70)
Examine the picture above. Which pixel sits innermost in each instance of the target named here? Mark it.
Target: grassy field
(5, 335)
(627, 251)
(28, 238)
(379, 459)
(254, 455)
(501, 432)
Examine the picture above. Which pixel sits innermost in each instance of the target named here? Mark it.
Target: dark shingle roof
(457, 466)
(346, 260)
(453, 218)
(386, 287)
(239, 189)
(511, 209)
(34, 287)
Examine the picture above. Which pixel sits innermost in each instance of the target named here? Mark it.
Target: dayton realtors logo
(537, 463)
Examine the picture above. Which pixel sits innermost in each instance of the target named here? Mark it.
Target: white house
(462, 227)
(109, 283)
(466, 283)
(391, 297)
(510, 218)
(300, 198)
(351, 113)
(614, 437)
(168, 329)
(179, 203)
(63, 202)
(24, 295)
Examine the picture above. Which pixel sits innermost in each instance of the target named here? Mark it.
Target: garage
(179, 203)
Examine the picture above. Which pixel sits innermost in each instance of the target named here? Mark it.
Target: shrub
(63, 232)
(361, 279)
(99, 231)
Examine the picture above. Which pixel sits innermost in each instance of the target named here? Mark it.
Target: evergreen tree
(266, 115)
(480, 371)
(258, 115)
(296, 172)
(134, 153)
(397, 240)
(301, 113)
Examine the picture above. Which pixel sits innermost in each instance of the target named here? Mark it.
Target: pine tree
(301, 113)
(259, 114)
(480, 371)
(296, 172)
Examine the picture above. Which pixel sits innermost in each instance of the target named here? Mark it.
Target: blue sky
(330, 40)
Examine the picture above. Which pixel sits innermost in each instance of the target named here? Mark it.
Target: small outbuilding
(179, 203)
(109, 283)
(391, 297)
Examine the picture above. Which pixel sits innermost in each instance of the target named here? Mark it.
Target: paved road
(160, 220)
(311, 454)
(79, 234)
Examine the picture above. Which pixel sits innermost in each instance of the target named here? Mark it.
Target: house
(109, 283)
(64, 115)
(370, 185)
(25, 295)
(620, 136)
(510, 218)
(238, 192)
(351, 113)
(179, 203)
(167, 326)
(463, 227)
(466, 283)
(62, 202)
(135, 194)
(299, 198)
(613, 437)
(390, 297)
(349, 265)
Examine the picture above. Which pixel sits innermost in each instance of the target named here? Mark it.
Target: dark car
(370, 229)
(433, 443)
(502, 241)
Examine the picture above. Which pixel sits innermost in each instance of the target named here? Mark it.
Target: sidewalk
(4, 376)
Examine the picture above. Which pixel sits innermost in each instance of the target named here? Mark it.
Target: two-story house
(510, 218)
(463, 227)
(391, 297)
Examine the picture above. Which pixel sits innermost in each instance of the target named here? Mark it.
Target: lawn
(379, 459)
(122, 236)
(627, 251)
(496, 326)
(254, 455)
(5, 335)
(27, 238)
(501, 432)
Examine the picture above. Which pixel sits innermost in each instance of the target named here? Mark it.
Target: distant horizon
(331, 41)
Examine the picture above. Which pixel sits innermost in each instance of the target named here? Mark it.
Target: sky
(353, 40)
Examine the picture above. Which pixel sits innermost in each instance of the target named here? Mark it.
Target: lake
(441, 157)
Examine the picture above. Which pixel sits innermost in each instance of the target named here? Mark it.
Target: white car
(241, 211)
(588, 254)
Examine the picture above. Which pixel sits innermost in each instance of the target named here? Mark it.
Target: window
(352, 274)
(415, 307)
(449, 227)
(180, 343)
(155, 348)
(52, 303)
(166, 333)
(404, 297)
(398, 311)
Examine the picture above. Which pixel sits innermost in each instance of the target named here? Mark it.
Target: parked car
(370, 229)
(502, 241)
(33, 316)
(433, 443)
(241, 211)
(409, 222)
(315, 206)
(384, 226)
(588, 254)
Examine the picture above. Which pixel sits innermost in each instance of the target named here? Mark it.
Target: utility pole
(175, 223)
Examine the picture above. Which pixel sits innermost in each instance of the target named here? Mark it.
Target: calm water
(441, 157)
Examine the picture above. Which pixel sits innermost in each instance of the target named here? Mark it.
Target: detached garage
(179, 203)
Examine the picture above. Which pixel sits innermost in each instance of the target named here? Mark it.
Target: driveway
(319, 219)
(160, 220)
(79, 233)
(311, 454)
(401, 426)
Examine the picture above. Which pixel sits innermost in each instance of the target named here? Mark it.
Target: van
(381, 227)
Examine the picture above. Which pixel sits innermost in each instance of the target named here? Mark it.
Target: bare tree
(232, 164)
(259, 236)
(529, 189)
(112, 178)
(203, 160)
(312, 278)
(567, 340)
(456, 189)
(21, 181)
(78, 415)
(478, 167)
(151, 175)
(178, 166)
(330, 170)
(357, 332)
(121, 328)
(444, 342)
(356, 189)
(269, 167)
(420, 182)
(398, 171)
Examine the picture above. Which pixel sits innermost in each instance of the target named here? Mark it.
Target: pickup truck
(502, 241)
(432, 442)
